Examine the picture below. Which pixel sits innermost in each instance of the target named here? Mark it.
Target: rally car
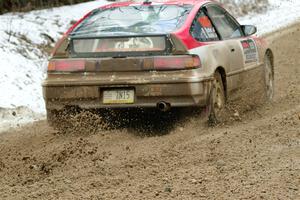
(156, 54)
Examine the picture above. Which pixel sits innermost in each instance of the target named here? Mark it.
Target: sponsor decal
(205, 22)
(250, 51)
(207, 28)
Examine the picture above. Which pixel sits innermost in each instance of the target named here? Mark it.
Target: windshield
(133, 20)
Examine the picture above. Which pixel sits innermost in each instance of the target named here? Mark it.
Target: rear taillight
(66, 65)
(159, 63)
(176, 62)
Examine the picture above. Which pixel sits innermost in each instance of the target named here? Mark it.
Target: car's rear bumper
(86, 90)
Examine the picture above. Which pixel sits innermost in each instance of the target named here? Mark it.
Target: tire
(217, 101)
(268, 79)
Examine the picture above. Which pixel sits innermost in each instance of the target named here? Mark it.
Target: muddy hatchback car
(158, 55)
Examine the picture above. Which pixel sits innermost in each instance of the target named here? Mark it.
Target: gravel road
(256, 156)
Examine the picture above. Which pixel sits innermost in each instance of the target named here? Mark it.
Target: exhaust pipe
(163, 106)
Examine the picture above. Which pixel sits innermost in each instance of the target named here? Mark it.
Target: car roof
(165, 2)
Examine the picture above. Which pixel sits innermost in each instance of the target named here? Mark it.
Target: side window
(202, 28)
(225, 24)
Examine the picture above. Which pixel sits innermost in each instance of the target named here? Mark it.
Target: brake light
(66, 65)
(177, 62)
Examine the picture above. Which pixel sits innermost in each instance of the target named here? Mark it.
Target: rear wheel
(217, 100)
(268, 78)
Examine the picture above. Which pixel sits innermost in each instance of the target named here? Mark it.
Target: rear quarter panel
(212, 55)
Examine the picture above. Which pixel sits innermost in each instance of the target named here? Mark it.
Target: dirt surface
(256, 156)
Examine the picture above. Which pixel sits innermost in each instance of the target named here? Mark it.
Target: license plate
(118, 96)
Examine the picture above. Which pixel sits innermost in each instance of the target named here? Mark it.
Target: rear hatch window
(133, 20)
(119, 44)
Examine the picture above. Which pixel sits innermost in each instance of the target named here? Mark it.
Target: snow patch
(12, 118)
(280, 14)
(23, 63)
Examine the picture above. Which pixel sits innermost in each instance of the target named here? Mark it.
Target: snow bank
(244, 7)
(23, 63)
(280, 14)
(16, 117)
(22, 69)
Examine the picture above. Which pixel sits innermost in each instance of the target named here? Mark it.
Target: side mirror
(249, 29)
